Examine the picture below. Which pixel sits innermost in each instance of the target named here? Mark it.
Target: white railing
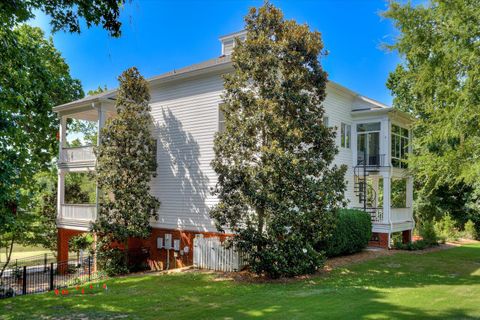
(210, 253)
(85, 212)
(401, 214)
(78, 154)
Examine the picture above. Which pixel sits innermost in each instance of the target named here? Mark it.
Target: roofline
(212, 65)
(388, 110)
(232, 35)
(222, 63)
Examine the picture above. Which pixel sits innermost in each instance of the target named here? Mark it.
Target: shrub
(470, 231)
(412, 246)
(445, 228)
(112, 261)
(427, 231)
(351, 234)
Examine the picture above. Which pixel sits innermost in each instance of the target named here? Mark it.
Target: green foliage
(437, 83)
(34, 78)
(124, 170)
(81, 242)
(470, 231)
(277, 188)
(64, 15)
(412, 246)
(112, 261)
(445, 228)
(428, 233)
(352, 232)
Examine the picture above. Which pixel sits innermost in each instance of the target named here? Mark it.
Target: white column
(60, 192)
(409, 196)
(375, 188)
(385, 143)
(386, 198)
(101, 123)
(62, 137)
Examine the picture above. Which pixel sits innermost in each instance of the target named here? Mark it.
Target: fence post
(45, 262)
(24, 284)
(89, 268)
(51, 276)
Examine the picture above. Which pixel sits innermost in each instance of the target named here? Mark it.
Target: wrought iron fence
(32, 278)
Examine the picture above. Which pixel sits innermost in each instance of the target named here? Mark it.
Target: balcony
(77, 155)
(401, 214)
(83, 213)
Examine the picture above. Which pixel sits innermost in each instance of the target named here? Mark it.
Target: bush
(287, 258)
(470, 232)
(351, 234)
(112, 261)
(412, 246)
(445, 228)
(428, 234)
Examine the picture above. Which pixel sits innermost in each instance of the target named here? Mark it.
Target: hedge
(351, 234)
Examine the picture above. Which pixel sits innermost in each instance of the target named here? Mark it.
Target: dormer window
(228, 41)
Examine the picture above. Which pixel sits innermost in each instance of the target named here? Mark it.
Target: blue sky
(159, 36)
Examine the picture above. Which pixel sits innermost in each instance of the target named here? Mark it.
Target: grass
(20, 252)
(438, 285)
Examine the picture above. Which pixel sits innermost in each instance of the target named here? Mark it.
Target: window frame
(345, 135)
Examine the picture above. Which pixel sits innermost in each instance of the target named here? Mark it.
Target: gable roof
(220, 64)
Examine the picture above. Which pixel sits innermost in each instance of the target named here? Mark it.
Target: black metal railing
(28, 279)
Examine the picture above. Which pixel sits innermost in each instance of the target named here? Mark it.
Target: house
(373, 141)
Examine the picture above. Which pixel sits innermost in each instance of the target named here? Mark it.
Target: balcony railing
(375, 213)
(84, 212)
(401, 214)
(376, 160)
(77, 154)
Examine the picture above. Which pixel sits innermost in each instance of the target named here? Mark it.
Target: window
(325, 121)
(345, 135)
(368, 144)
(221, 119)
(399, 149)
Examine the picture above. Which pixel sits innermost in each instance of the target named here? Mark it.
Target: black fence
(44, 276)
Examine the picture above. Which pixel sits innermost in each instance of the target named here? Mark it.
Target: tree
(278, 192)
(65, 14)
(125, 165)
(437, 82)
(36, 79)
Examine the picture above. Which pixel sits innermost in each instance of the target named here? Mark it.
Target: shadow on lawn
(358, 291)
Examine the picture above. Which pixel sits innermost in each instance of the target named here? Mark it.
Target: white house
(372, 139)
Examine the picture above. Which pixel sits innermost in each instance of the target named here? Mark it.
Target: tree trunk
(9, 255)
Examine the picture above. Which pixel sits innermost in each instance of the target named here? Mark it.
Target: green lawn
(20, 252)
(439, 285)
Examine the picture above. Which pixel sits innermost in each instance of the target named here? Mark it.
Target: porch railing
(87, 212)
(77, 154)
(376, 214)
(377, 160)
(401, 214)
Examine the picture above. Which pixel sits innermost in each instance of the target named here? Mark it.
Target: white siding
(186, 118)
(338, 107)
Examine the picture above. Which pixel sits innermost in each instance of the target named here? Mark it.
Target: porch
(77, 197)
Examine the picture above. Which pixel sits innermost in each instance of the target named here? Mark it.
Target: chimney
(228, 41)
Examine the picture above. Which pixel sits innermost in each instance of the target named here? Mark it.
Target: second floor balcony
(72, 155)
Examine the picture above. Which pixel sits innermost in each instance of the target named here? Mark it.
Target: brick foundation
(158, 257)
(379, 240)
(63, 237)
(406, 236)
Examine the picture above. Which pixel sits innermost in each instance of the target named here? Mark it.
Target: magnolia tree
(278, 190)
(125, 166)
